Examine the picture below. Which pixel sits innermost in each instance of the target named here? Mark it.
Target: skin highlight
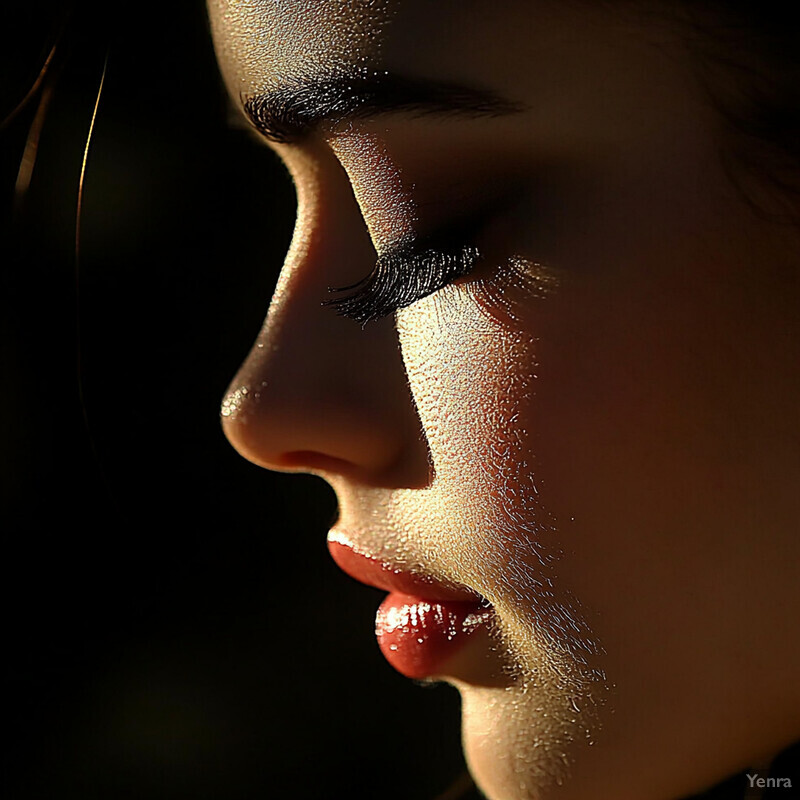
(593, 464)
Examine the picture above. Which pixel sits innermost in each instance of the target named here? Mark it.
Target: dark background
(173, 625)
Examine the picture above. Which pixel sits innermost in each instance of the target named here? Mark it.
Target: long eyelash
(400, 278)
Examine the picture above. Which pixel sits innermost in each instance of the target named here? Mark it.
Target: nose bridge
(317, 392)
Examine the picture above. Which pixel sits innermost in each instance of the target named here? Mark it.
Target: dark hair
(747, 58)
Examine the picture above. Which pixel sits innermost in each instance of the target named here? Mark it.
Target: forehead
(496, 43)
(259, 43)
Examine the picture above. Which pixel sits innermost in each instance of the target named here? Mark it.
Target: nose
(318, 393)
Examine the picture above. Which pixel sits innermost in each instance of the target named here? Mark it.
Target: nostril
(313, 461)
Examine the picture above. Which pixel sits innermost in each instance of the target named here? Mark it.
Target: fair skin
(611, 460)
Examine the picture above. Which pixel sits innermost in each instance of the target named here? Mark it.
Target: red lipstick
(424, 624)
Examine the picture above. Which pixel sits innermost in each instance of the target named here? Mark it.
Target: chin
(527, 742)
(509, 758)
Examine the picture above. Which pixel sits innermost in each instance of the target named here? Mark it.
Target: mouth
(426, 628)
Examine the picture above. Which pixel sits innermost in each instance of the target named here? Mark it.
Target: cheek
(640, 438)
(475, 384)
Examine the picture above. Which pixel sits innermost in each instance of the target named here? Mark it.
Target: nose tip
(329, 399)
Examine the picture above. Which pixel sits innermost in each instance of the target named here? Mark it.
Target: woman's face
(597, 429)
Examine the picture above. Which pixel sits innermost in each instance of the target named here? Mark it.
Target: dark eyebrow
(294, 111)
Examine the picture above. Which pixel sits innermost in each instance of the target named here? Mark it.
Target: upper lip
(384, 575)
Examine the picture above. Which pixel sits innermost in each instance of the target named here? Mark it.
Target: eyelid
(414, 267)
(400, 277)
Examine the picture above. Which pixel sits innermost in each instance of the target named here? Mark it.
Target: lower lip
(419, 637)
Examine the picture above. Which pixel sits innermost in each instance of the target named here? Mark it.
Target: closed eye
(401, 277)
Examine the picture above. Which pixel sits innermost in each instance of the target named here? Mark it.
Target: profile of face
(559, 401)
